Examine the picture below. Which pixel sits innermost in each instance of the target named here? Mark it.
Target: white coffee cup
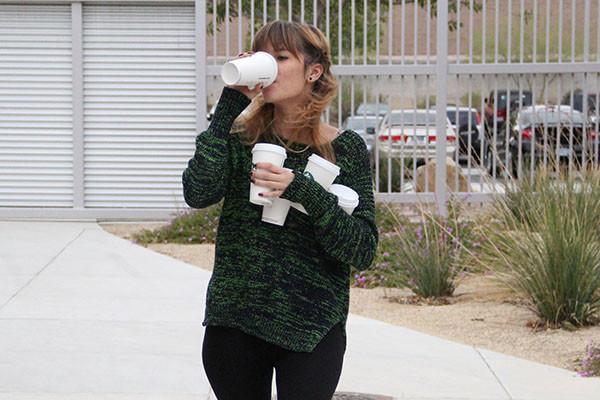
(277, 212)
(260, 67)
(347, 197)
(265, 153)
(320, 170)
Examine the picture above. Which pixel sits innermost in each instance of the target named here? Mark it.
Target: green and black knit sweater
(287, 284)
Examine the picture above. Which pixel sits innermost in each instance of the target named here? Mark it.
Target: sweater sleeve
(347, 238)
(207, 175)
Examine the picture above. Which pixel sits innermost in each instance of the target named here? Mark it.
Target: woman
(278, 295)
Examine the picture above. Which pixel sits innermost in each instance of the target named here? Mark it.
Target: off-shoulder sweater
(289, 284)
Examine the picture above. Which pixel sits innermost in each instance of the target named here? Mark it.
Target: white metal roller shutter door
(139, 107)
(36, 146)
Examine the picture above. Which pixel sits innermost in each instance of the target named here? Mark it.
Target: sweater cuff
(229, 107)
(315, 199)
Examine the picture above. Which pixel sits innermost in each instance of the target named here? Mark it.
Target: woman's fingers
(270, 184)
(270, 176)
(245, 54)
(273, 193)
(270, 167)
(270, 172)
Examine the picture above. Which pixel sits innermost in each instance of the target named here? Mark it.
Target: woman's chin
(267, 94)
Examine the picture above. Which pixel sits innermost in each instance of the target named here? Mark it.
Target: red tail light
(526, 134)
(501, 113)
(478, 118)
(395, 138)
(592, 134)
(432, 138)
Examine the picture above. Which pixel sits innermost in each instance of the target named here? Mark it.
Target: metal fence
(501, 87)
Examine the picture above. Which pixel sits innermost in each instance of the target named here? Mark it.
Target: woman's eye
(281, 57)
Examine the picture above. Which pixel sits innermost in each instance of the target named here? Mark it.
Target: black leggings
(240, 366)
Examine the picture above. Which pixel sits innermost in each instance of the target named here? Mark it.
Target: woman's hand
(244, 89)
(272, 177)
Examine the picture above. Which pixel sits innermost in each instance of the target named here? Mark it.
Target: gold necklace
(288, 148)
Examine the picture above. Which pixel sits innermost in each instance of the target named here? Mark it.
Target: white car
(411, 133)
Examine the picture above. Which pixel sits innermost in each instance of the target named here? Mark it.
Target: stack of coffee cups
(275, 210)
(324, 173)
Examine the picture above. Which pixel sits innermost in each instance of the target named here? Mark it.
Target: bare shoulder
(329, 132)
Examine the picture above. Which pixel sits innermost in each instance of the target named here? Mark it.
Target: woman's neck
(281, 115)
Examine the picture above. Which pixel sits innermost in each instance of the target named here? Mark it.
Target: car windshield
(550, 117)
(411, 118)
(361, 123)
(371, 108)
(526, 99)
(578, 102)
(463, 117)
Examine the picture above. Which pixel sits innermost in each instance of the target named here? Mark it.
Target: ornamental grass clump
(428, 255)
(545, 246)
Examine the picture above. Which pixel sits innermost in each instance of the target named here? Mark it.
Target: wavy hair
(297, 38)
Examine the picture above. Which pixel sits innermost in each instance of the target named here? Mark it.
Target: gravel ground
(480, 314)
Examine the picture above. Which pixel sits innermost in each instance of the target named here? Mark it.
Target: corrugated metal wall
(36, 168)
(120, 151)
(139, 104)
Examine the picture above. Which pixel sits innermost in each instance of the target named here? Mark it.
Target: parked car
(380, 109)
(557, 130)
(411, 133)
(496, 137)
(506, 104)
(467, 123)
(366, 126)
(592, 103)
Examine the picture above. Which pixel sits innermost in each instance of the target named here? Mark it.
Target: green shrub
(548, 247)
(425, 257)
(381, 272)
(428, 255)
(193, 226)
(393, 168)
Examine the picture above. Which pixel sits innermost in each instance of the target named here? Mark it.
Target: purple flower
(386, 254)
(419, 232)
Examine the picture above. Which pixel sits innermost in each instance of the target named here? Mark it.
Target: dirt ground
(480, 314)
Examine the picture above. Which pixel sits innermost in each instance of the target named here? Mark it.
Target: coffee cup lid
(347, 197)
(320, 161)
(269, 147)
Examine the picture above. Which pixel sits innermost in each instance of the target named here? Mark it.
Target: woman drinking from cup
(278, 295)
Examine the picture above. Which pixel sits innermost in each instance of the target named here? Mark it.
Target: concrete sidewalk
(87, 315)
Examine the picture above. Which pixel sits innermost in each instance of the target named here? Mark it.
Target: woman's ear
(315, 72)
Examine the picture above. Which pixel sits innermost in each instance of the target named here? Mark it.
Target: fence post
(440, 105)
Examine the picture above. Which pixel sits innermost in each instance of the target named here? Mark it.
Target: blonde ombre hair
(297, 38)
